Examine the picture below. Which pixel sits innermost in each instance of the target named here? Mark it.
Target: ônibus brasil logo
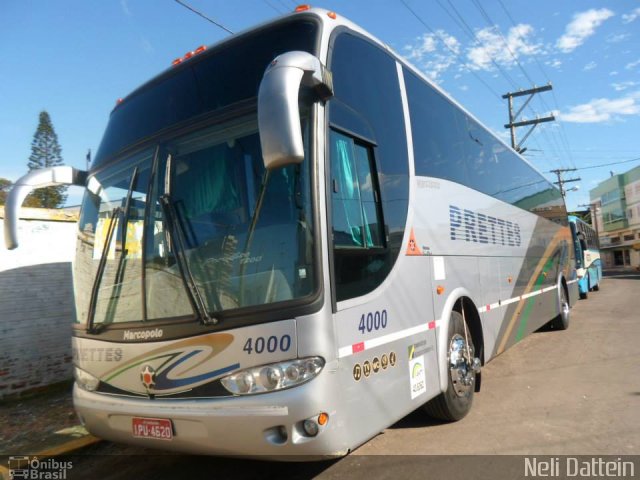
(31, 468)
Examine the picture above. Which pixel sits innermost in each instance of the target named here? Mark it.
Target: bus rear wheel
(462, 366)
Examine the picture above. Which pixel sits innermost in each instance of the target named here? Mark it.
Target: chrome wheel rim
(460, 361)
(564, 304)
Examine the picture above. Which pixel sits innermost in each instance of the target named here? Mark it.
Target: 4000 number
(373, 321)
(270, 344)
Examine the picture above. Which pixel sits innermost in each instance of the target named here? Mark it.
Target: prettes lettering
(477, 227)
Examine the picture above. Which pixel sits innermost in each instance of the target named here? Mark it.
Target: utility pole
(561, 181)
(512, 125)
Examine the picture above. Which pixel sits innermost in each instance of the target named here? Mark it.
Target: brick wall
(36, 307)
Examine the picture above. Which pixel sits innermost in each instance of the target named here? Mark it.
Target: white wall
(36, 306)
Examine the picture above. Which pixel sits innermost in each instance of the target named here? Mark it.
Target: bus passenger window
(361, 256)
(356, 220)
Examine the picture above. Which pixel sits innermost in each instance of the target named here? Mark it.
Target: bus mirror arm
(278, 112)
(40, 178)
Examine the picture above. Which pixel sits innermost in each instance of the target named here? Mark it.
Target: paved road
(575, 392)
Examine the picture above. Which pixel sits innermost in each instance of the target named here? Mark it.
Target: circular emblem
(357, 372)
(148, 377)
(375, 364)
(384, 361)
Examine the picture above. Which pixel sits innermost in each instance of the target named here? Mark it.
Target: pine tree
(46, 152)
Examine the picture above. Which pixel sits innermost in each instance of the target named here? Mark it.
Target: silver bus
(292, 239)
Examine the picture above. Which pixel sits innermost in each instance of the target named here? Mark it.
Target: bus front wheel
(462, 366)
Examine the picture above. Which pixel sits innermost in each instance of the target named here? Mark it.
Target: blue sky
(75, 58)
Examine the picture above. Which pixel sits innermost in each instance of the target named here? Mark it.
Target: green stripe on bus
(530, 301)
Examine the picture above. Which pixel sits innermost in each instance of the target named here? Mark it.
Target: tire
(561, 322)
(456, 401)
(585, 295)
(596, 287)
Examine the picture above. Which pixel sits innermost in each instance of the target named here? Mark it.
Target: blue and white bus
(292, 239)
(587, 253)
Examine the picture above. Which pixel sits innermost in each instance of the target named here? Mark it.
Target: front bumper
(252, 426)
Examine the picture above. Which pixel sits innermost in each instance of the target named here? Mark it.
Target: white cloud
(589, 66)
(632, 65)
(630, 17)
(602, 109)
(492, 47)
(617, 38)
(555, 63)
(434, 54)
(125, 8)
(614, 73)
(618, 87)
(582, 26)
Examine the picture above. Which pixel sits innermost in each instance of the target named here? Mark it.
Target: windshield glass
(210, 182)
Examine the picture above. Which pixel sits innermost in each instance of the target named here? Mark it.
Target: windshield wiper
(176, 234)
(103, 261)
(119, 278)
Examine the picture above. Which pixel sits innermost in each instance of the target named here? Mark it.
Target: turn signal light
(188, 55)
(323, 418)
(302, 8)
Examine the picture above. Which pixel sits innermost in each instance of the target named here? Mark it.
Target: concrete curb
(62, 442)
(68, 447)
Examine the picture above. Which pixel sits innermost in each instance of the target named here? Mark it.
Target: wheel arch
(459, 300)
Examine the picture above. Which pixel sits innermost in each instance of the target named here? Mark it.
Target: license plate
(158, 428)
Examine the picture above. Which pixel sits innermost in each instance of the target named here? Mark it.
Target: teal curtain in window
(348, 196)
(207, 187)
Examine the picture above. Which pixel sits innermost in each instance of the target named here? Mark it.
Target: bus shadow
(203, 467)
(417, 419)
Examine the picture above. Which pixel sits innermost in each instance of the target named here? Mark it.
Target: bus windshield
(234, 234)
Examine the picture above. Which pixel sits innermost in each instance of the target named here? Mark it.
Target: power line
(563, 134)
(180, 2)
(471, 34)
(267, 2)
(606, 164)
(491, 23)
(462, 23)
(434, 32)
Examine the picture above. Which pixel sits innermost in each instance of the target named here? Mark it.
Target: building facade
(616, 202)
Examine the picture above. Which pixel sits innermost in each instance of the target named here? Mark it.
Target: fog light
(310, 427)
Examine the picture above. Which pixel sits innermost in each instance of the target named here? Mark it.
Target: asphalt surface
(574, 392)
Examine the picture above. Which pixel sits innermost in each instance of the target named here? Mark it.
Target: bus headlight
(275, 376)
(85, 380)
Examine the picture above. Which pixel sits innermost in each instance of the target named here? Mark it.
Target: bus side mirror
(44, 177)
(278, 113)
